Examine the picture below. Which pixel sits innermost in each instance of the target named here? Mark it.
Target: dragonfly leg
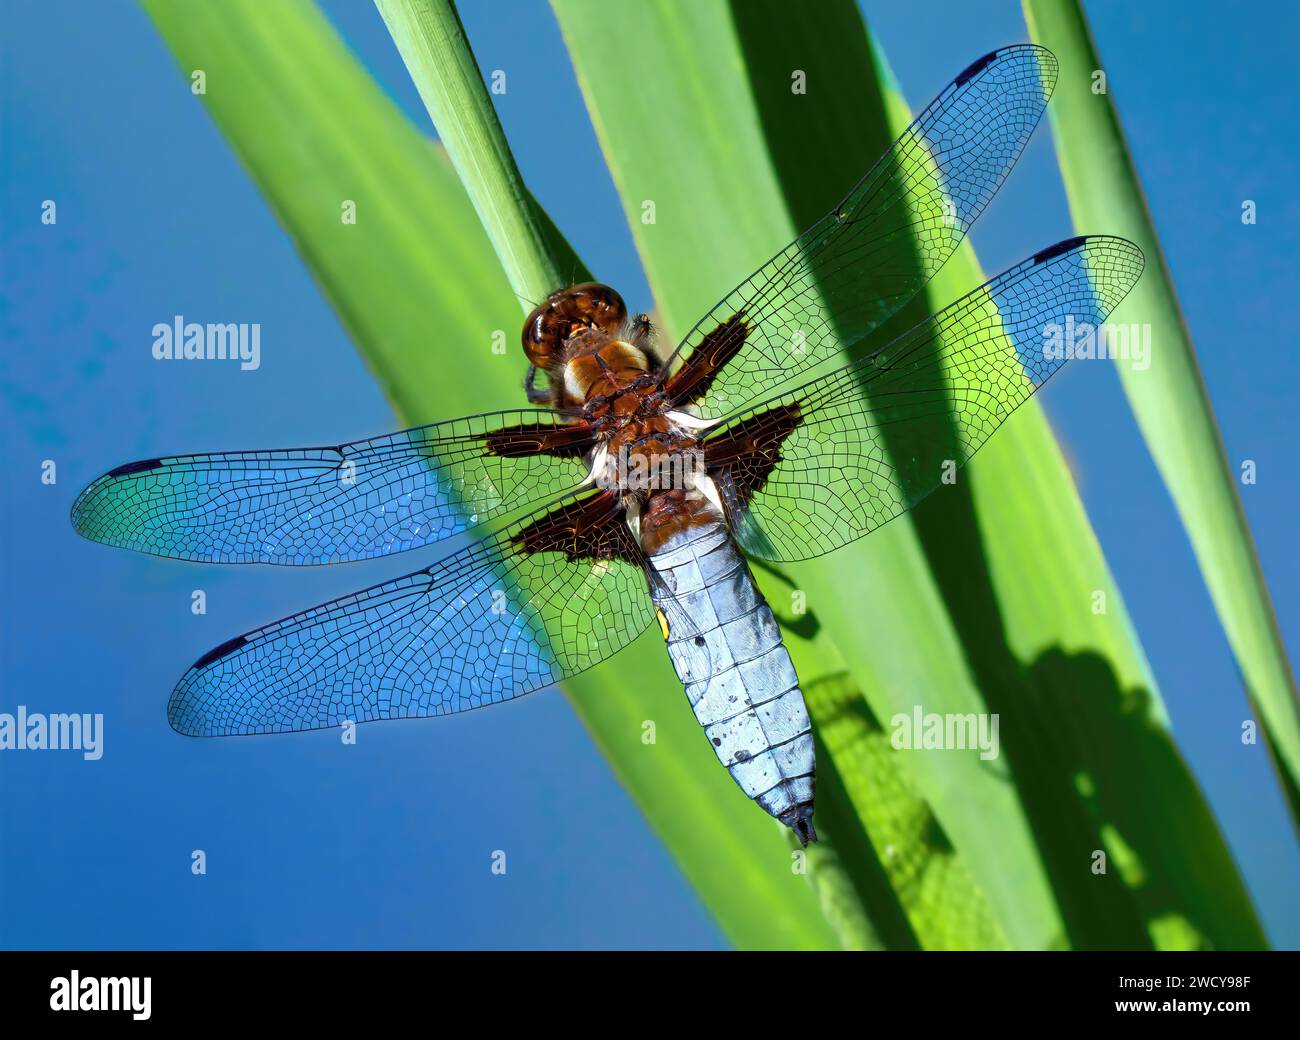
(535, 395)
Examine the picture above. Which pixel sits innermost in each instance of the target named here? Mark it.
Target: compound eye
(540, 337)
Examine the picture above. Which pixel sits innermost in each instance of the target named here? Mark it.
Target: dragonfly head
(567, 312)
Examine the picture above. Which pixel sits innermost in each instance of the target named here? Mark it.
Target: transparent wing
(828, 462)
(512, 614)
(860, 263)
(333, 504)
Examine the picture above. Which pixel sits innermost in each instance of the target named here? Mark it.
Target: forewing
(333, 504)
(860, 263)
(504, 617)
(828, 462)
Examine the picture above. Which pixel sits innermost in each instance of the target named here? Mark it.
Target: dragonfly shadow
(1098, 769)
(805, 624)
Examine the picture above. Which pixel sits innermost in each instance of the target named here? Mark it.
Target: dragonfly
(635, 486)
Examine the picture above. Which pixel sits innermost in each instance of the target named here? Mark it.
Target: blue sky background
(387, 843)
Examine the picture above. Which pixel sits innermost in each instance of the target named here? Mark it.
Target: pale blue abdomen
(737, 673)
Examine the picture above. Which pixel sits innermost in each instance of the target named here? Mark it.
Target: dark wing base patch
(745, 454)
(588, 529)
(697, 374)
(565, 442)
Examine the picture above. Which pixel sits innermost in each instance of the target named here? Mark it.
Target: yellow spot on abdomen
(663, 623)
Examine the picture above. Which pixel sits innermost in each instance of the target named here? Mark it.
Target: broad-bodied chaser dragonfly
(645, 482)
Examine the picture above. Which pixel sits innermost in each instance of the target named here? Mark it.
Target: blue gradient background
(387, 844)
